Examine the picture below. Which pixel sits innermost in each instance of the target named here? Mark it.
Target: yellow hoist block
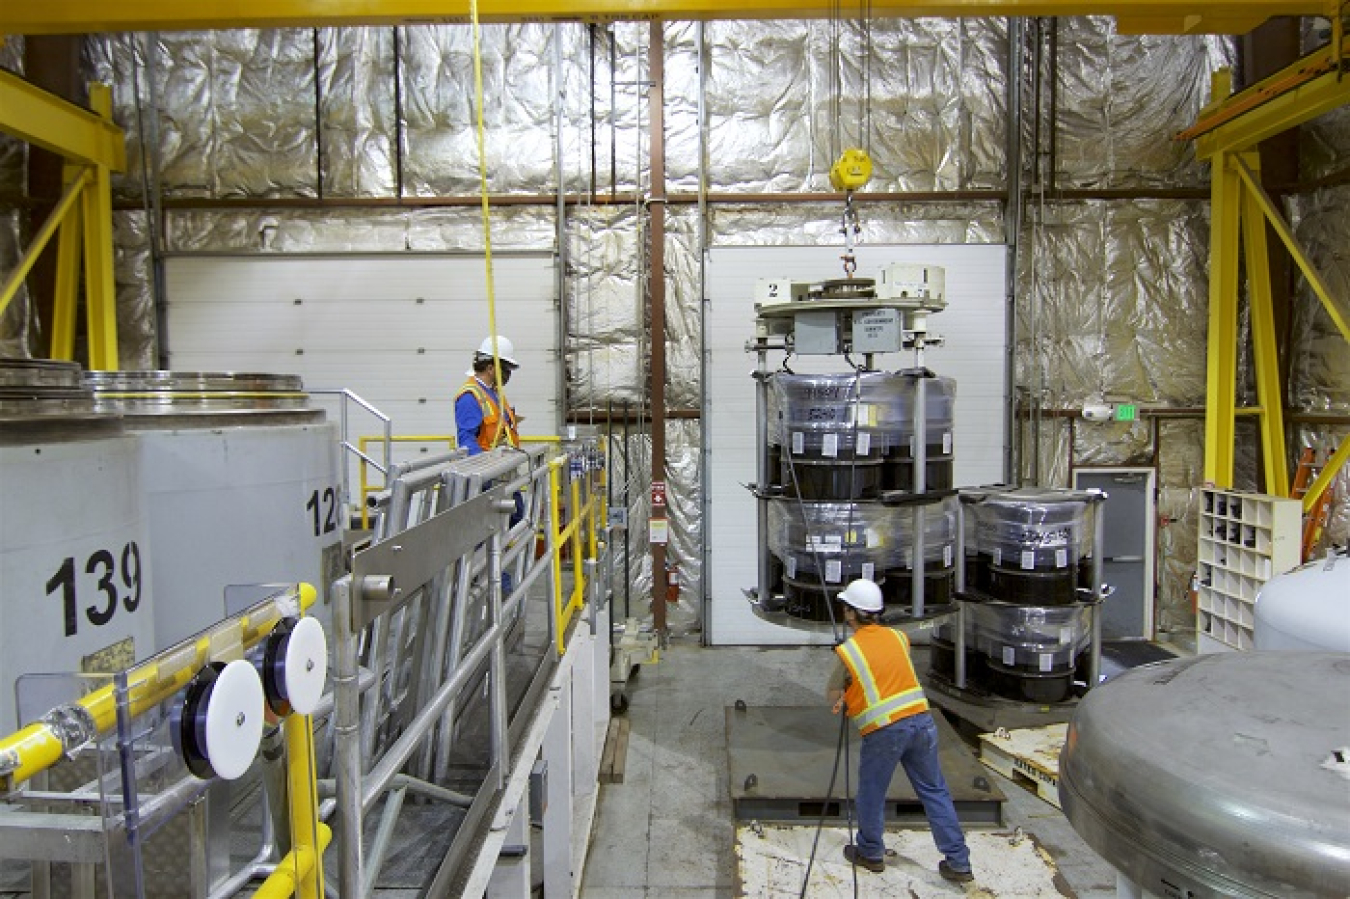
(852, 170)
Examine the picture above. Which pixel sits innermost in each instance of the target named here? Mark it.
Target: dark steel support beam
(656, 286)
(53, 64)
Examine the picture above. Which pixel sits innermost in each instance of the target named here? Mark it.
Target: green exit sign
(1126, 412)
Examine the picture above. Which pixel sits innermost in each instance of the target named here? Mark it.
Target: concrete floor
(667, 830)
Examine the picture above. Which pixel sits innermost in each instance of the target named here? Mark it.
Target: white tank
(1307, 608)
(75, 588)
(242, 487)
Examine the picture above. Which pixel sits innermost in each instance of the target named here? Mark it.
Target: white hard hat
(506, 350)
(863, 595)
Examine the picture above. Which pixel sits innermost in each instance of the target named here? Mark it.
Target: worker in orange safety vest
(875, 682)
(481, 423)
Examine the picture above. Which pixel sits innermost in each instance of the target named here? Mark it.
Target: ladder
(1315, 518)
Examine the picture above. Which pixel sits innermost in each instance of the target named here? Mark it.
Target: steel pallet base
(987, 713)
(780, 761)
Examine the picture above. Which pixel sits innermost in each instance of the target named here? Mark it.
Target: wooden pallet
(1029, 757)
(615, 755)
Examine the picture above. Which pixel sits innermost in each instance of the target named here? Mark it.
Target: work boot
(955, 876)
(875, 865)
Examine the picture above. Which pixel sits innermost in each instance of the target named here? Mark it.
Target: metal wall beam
(656, 287)
(1160, 16)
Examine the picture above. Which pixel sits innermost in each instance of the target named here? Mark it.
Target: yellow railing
(37, 747)
(589, 516)
(580, 516)
(300, 872)
(368, 488)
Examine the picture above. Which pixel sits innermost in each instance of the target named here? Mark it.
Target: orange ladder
(1315, 519)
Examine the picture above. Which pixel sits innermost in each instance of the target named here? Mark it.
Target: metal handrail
(346, 397)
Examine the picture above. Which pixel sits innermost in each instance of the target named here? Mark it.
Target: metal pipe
(1098, 592)
(383, 836)
(377, 781)
(501, 747)
(761, 377)
(920, 456)
(560, 263)
(1012, 236)
(261, 865)
(346, 739)
(628, 508)
(959, 642)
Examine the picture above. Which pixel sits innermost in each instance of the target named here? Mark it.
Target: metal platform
(780, 760)
(987, 713)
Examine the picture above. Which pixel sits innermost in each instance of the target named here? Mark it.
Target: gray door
(1128, 551)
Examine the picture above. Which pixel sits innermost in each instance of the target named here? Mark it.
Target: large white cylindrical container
(1307, 608)
(75, 587)
(242, 486)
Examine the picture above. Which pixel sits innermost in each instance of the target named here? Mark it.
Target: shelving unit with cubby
(1245, 540)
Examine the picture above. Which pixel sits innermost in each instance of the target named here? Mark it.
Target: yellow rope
(502, 406)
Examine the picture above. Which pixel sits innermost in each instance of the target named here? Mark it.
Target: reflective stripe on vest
(879, 708)
(493, 432)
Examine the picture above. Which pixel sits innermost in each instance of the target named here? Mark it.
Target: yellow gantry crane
(93, 148)
(1227, 135)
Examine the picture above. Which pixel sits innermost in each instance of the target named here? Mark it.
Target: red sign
(658, 494)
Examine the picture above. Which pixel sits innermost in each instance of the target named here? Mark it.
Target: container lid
(1307, 608)
(152, 398)
(43, 400)
(1223, 774)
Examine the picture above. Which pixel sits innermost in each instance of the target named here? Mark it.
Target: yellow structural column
(1265, 347)
(1221, 366)
(66, 303)
(100, 286)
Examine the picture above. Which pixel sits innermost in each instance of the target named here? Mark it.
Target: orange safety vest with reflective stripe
(883, 687)
(493, 432)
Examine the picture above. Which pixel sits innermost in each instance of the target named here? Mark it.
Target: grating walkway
(667, 831)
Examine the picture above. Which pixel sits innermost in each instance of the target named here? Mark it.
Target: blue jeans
(912, 742)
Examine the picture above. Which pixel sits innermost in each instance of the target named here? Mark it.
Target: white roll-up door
(399, 330)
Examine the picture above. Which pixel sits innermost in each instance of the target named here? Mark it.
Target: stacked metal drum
(74, 542)
(242, 487)
(232, 478)
(839, 445)
(1028, 603)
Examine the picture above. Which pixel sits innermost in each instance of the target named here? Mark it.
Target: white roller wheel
(234, 720)
(306, 665)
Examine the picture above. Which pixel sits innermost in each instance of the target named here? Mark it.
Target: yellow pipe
(36, 747)
(283, 882)
(555, 497)
(303, 793)
(1329, 471)
(68, 200)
